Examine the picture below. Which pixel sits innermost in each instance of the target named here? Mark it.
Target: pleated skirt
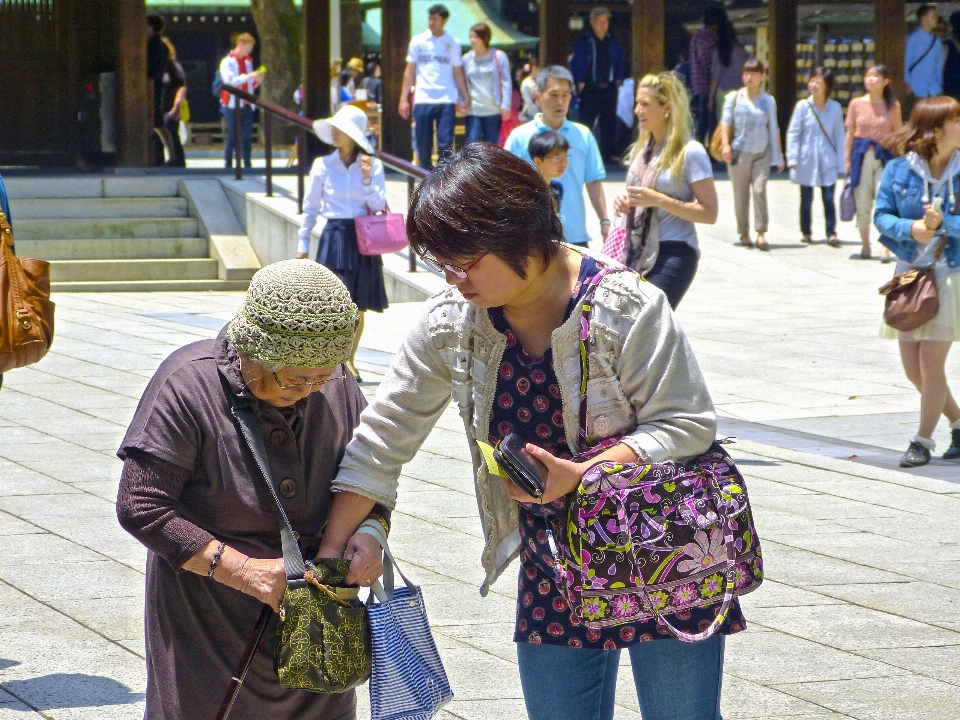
(362, 274)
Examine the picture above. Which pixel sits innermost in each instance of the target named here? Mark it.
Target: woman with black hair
(726, 64)
(503, 341)
(871, 119)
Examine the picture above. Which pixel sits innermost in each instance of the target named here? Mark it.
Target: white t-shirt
(436, 57)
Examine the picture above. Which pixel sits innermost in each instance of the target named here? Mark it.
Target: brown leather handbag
(912, 298)
(26, 313)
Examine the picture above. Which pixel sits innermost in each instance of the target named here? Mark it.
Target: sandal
(806, 239)
(865, 255)
(745, 242)
(833, 241)
(762, 243)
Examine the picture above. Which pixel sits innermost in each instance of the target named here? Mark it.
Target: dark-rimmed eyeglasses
(460, 272)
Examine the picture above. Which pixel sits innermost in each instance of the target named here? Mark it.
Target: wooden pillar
(134, 103)
(395, 134)
(351, 30)
(648, 33)
(890, 39)
(554, 32)
(316, 67)
(782, 73)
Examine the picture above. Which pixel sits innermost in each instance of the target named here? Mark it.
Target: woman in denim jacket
(915, 231)
(503, 341)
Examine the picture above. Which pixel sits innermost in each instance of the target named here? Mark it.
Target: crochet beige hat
(297, 313)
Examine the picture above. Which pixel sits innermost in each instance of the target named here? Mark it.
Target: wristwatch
(368, 181)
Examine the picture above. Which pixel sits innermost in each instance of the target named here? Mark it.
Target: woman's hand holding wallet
(563, 476)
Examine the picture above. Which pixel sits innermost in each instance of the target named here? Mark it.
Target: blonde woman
(671, 177)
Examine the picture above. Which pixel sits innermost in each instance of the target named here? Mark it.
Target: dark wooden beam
(316, 68)
(890, 39)
(554, 32)
(351, 30)
(782, 73)
(649, 33)
(134, 105)
(395, 131)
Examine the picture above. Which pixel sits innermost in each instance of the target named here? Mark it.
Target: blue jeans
(246, 135)
(674, 270)
(444, 115)
(829, 209)
(486, 128)
(674, 680)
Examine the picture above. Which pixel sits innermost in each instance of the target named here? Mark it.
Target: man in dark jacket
(598, 69)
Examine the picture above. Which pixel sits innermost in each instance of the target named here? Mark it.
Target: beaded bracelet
(216, 559)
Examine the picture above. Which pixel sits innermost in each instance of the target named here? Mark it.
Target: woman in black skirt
(345, 185)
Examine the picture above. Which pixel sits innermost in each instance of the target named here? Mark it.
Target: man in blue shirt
(924, 56)
(585, 168)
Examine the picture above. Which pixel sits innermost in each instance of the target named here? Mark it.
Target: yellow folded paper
(493, 467)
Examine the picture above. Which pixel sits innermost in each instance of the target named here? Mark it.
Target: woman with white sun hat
(344, 185)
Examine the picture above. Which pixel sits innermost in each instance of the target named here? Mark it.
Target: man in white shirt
(434, 60)
(237, 69)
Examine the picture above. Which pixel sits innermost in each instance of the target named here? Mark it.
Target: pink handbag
(381, 233)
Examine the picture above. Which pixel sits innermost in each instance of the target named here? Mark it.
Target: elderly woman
(503, 341)
(192, 493)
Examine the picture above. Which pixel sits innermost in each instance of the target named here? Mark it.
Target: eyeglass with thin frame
(338, 374)
(460, 272)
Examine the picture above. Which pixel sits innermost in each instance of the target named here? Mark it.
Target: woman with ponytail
(669, 187)
(918, 216)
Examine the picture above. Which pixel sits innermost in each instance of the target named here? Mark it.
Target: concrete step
(149, 286)
(126, 185)
(105, 228)
(132, 270)
(114, 248)
(97, 208)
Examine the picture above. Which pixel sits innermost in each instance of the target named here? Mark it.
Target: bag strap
(384, 593)
(933, 41)
(20, 308)
(586, 305)
(820, 123)
(293, 563)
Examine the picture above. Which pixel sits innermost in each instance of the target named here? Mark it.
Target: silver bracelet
(216, 559)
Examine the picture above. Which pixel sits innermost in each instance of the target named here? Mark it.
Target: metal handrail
(411, 171)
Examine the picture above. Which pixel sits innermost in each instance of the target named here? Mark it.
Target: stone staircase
(119, 234)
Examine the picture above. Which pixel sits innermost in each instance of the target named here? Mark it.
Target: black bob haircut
(485, 200)
(546, 142)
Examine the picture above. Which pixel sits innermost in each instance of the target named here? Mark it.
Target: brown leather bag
(912, 298)
(716, 140)
(26, 313)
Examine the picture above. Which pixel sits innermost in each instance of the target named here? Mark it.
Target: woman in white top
(669, 187)
(815, 146)
(345, 185)
(491, 90)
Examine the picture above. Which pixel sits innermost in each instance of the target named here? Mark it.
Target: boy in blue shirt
(548, 150)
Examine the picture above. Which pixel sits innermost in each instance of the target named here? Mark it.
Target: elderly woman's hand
(366, 559)
(265, 580)
(563, 477)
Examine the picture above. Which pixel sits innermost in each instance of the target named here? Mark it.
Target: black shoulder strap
(919, 60)
(250, 429)
(820, 123)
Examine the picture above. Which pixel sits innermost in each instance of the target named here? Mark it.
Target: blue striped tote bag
(407, 681)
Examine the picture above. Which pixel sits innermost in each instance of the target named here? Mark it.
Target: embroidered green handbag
(323, 640)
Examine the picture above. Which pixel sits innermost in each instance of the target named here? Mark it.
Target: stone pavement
(859, 614)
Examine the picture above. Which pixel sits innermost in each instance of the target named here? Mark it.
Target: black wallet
(526, 471)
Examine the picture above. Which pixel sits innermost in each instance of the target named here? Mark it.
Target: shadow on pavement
(69, 690)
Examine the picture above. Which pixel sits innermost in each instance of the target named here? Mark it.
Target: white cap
(350, 120)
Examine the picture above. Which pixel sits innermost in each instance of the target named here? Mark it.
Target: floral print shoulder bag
(648, 540)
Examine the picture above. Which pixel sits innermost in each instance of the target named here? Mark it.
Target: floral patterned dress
(528, 402)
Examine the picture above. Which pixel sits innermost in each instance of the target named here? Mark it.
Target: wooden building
(56, 49)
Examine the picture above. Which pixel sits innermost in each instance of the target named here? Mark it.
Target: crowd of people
(502, 341)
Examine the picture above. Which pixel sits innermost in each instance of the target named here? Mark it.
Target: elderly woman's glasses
(447, 267)
(315, 382)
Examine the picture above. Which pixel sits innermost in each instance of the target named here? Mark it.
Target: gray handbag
(848, 205)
